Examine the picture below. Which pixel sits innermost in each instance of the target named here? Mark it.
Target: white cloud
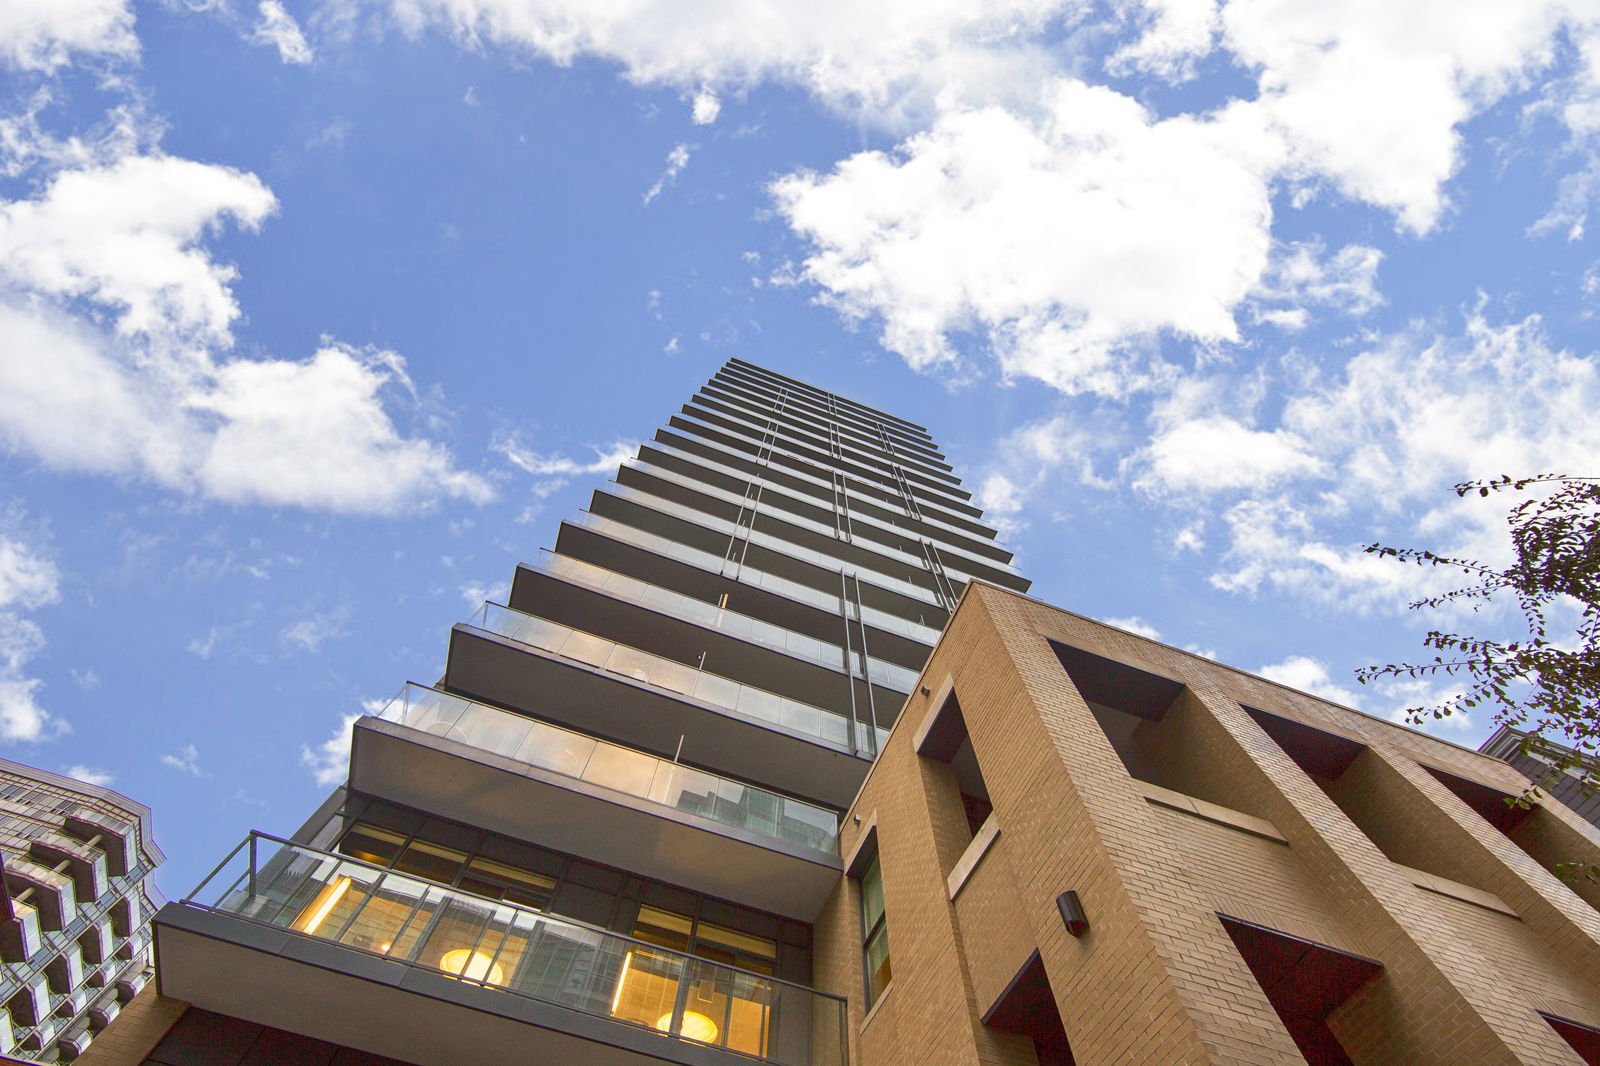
(1219, 453)
(882, 60)
(28, 580)
(316, 434)
(1387, 438)
(310, 634)
(705, 108)
(127, 236)
(1067, 243)
(1134, 625)
(277, 27)
(1372, 94)
(103, 778)
(1302, 277)
(1174, 34)
(478, 593)
(677, 159)
(1308, 675)
(187, 760)
(329, 762)
(156, 396)
(606, 459)
(42, 35)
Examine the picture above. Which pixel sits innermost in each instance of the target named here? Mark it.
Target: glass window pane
(371, 843)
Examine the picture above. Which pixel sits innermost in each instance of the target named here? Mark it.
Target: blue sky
(316, 316)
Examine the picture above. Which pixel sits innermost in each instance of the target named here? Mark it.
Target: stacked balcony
(689, 689)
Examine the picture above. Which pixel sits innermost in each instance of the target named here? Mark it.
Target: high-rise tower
(604, 834)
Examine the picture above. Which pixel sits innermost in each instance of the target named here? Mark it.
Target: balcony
(295, 938)
(603, 687)
(534, 781)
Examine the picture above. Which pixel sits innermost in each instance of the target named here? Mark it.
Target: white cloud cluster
(329, 761)
(126, 236)
(187, 760)
(276, 27)
(1308, 675)
(1385, 439)
(153, 392)
(28, 580)
(91, 775)
(43, 35)
(677, 159)
(1064, 242)
(883, 61)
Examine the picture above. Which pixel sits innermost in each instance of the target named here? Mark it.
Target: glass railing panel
(623, 769)
(518, 951)
(781, 500)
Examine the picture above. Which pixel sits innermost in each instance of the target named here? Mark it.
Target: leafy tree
(1546, 684)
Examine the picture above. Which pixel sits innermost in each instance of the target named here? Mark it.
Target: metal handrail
(790, 810)
(523, 951)
(545, 916)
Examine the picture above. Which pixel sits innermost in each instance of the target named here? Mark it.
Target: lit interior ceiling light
(464, 962)
(696, 1026)
(331, 896)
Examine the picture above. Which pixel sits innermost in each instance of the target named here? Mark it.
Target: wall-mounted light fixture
(1071, 908)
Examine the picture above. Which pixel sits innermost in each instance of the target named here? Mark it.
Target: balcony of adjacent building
(394, 964)
(606, 802)
(727, 641)
(648, 701)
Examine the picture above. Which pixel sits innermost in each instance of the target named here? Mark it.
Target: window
(943, 738)
(874, 933)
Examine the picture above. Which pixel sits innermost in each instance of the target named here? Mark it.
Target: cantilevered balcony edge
(499, 669)
(460, 781)
(383, 1008)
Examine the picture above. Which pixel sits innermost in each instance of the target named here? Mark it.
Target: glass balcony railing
(749, 574)
(721, 619)
(790, 506)
(612, 766)
(825, 491)
(745, 701)
(518, 951)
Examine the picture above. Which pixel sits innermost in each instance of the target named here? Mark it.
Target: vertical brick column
(1432, 1003)
(1487, 859)
(1156, 979)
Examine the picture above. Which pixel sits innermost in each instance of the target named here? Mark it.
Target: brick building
(75, 907)
(698, 794)
(1507, 743)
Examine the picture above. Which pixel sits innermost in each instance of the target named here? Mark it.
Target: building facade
(1081, 845)
(705, 792)
(605, 834)
(1506, 743)
(76, 898)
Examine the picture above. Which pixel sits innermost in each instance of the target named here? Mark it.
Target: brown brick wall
(1157, 979)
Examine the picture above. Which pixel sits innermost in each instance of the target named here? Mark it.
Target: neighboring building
(638, 820)
(604, 835)
(75, 907)
(1506, 743)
